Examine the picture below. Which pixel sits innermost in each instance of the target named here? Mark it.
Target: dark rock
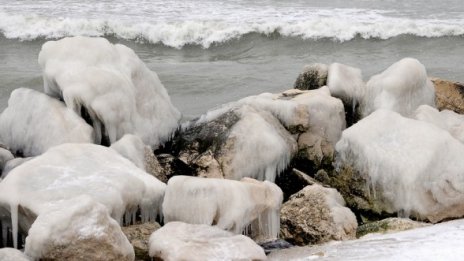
(312, 77)
(273, 245)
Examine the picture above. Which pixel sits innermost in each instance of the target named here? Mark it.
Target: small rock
(449, 95)
(273, 245)
(312, 77)
(316, 215)
(388, 225)
(139, 236)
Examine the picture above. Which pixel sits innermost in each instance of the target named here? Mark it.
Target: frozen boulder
(346, 83)
(229, 204)
(13, 163)
(385, 155)
(139, 236)
(132, 148)
(315, 215)
(241, 142)
(402, 88)
(446, 119)
(70, 170)
(34, 122)
(110, 87)
(12, 254)
(77, 229)
(180, 241)
(449, 95)
(312, 77)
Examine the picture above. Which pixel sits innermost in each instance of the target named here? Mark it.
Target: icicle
(14, 223)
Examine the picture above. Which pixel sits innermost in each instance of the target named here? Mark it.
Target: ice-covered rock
(449, 95)
(346, 83)
(229, 204)
(389, 225)
(438, 242)
(12, 254)
(110, 87)
(70, 170)
(402, 87)
(446, 119)
(13, 163)
(77, 229)
(390, 154)
(139, 236)
(315, 215)
(312, 77)
(132, 148)
(5, 156)
(34, 122)
(180, 241)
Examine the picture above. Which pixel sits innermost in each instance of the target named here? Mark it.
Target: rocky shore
(100, 167)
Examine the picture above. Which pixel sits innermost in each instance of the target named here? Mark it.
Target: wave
(209, 32)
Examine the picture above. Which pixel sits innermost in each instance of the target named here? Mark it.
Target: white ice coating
(5, 156)
(34, 122)
(181, 241)
(262, 148)
(402, 87)
(119, 92)
(438, 242)
(75, 221)
(132, 148)
(11, 164)
(315, 109)
(70, 170)
(446, 119)
(12, 254)
(229, 204)
(398, 154)
(346, 83)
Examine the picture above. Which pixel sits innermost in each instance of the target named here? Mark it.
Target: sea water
(209, 52)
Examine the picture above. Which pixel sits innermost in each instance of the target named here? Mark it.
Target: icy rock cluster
(229, 204)
(181, 241)
(68, 171)
(110, 87)
(257, 136)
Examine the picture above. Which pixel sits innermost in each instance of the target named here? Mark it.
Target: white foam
(209, 24)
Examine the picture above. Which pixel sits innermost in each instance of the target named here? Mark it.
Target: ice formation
(110, 87)
(446, 119)
(396, 154)
(229, 204)
(13, 163)
(346, 83)
(438, 242)
(5, 156)
(78, 227)
(132, 148)
(70, 170)
(402, 87)
(34, 122)
(181, 241)
(12, 254)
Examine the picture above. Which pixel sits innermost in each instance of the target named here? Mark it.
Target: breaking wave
(209, 32)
